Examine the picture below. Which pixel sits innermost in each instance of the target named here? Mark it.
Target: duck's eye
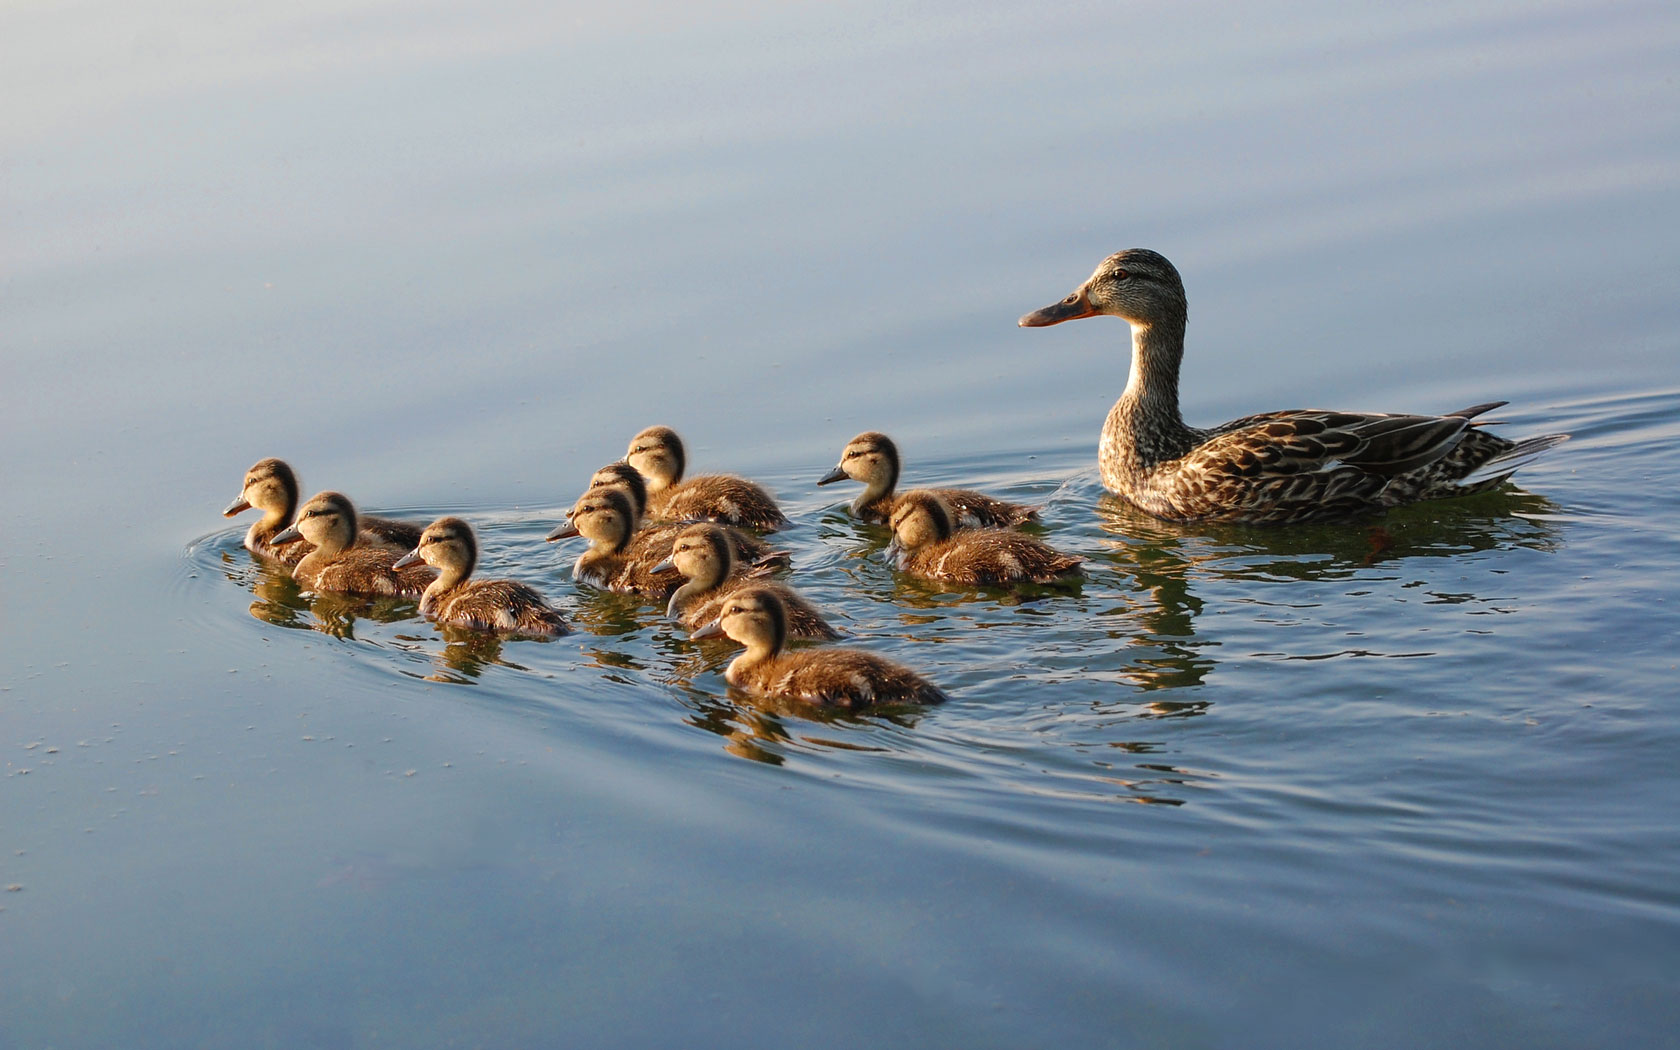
(1121, 275)
(1073, 298)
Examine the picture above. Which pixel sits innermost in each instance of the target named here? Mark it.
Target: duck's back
(990, 557)
(498, 605)
(847, 678)
(721, 498)
(364, 570)
(969, 509)
(628, 574)
(803, 618)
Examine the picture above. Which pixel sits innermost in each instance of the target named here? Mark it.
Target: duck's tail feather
(1508, 462)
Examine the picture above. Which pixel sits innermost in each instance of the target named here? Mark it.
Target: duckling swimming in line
(749, 549)
(606, 517)
(1277, 467)
(928, 547)
(872, 458)
(340, 562)
(846, 678)
(702, 553)
(272, 487)
(658, 453)
(449, 546)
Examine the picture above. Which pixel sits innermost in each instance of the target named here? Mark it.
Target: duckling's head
(753, 616)
(270, 486)
(447, 545)
(871, 458)
(604, 516)
(702, 552)
(658, 453)
(328, 521)
(623, 475)
(1137, 285)
(920, 518)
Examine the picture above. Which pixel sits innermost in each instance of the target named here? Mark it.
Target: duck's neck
(712, 573)
(449, 577)
(758, 651)
(275, 517)
(1145, 427)
(329, 548)
(879, 487)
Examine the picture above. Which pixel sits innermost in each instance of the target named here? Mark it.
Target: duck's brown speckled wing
(846, 678)
(389, 532)
(722, 498)
(505, 606)
(367, 570)
(803, 618)
(990, 557)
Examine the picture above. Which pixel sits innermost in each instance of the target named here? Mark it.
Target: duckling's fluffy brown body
(702, 554)
(846, 678)
(271, 486)
(504, 606)
(929, 548)
(658, 453)
(617, 559)
(340, 562)
(873, 459)
(648, 539)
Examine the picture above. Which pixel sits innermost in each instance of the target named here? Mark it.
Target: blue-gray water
(1319, 786)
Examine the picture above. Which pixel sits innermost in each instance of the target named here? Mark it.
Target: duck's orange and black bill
(563, 532)
(837, 474)
(238, 506)
(1072, 308)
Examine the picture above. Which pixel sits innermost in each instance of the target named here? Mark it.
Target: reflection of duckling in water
(658, 453)
(272, 487)
(340, 562)
(448, 545)
(606, 517)
(748, 549)
(872, 458)
(848, 678)
(927, 547)
(702, 554)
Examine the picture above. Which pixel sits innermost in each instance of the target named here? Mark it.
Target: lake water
(1404, 783)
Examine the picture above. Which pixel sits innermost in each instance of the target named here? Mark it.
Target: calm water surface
(1405, 782)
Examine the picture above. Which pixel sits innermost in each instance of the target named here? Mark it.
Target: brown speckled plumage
(505, 606)
(872, 458)
(1273, 468)
(658, 453)
(748, 549)
(702, 554)
(618, 558)
(928, 547)
(845, 678)
(341, 562)
(271, 486)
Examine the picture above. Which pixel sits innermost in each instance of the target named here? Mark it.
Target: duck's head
(700, 552)
(328, 521)
(658, 453)
(622, 475)
(754, 616)
(604, 516)
(447, 545)
(270, 486)
(1136, 285)
(920, 518)
(870, 458)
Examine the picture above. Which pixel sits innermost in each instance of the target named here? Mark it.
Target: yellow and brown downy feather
(872, 458)
(927, 546)
(844, 678)
(505, 606)
(340, 562)
(658, 453)
(702, 553)
(606, 516)
(748, 549)
(1272, 468)
(271, 486)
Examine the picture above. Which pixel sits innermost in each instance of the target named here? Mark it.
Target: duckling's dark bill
(1072, 308)
(238, 506)
(411, 558)
(563, 532)
(837, 474)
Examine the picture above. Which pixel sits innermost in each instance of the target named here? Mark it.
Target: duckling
(658, 453)
(1272, 468)
(702, 553)
(507, 606)
(749, 549)
(607, 517)
(927, 547)
(272, 487)
(872, 458)
(340, 561)
(849, 678)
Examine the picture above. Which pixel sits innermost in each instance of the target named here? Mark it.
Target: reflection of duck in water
(927, 547)
(872, 458)
(448, 545)
(340, 562)
(658, 453)
(271, 486)
(1272, 468)
(702, 554)
(848, 678)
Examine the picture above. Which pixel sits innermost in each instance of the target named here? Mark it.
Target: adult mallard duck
(342, 563)
(704, 555)
(271, 486)
(927, 546)
(848, 678)
(872, 458)
(449, 546)
(1272, 468)
(658, 453)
